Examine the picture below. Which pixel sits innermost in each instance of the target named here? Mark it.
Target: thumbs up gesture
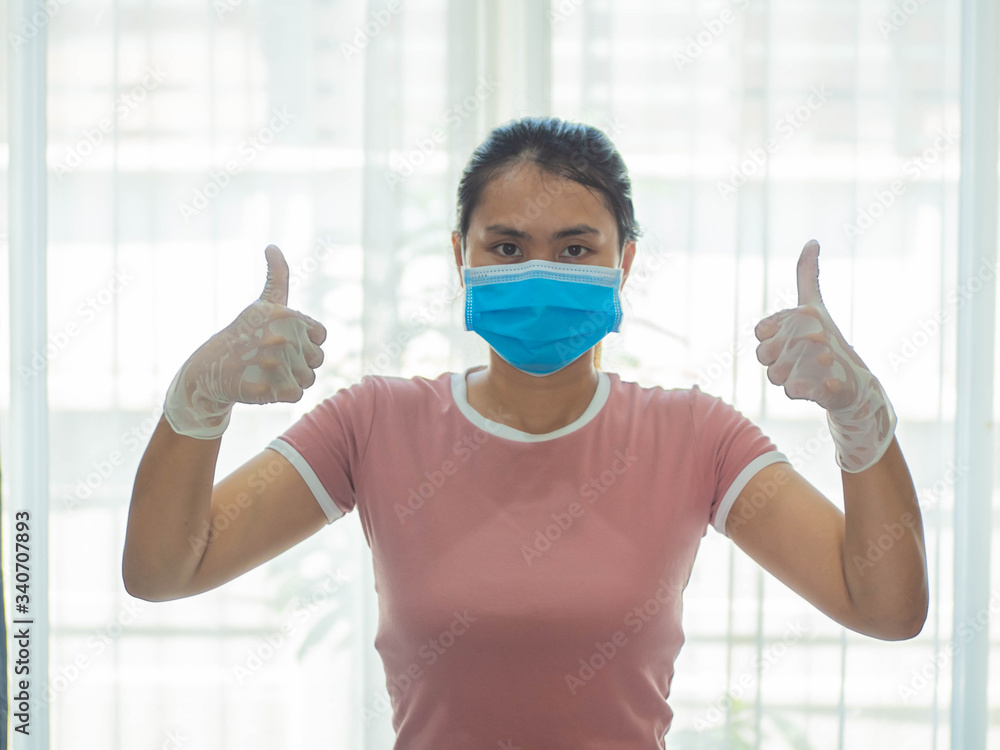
(268, 353)
(805, 352)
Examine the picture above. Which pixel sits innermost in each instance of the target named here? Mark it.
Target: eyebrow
(568, 232)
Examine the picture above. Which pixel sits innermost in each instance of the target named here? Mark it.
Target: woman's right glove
(268, 354)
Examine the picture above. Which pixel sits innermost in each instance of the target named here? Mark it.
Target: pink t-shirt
(529, 586)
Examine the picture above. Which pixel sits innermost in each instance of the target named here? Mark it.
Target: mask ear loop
(461, 285)
(621, 265)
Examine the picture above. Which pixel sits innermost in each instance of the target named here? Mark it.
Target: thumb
(276, 287)
(808, 275)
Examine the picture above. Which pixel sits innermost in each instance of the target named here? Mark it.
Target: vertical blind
(183, 137)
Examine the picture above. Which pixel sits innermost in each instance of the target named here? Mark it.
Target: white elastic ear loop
(621, 265)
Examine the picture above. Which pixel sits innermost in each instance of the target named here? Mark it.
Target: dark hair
(576, 151)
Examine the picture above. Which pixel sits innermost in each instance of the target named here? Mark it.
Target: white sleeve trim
(312, 481)
(741, 481)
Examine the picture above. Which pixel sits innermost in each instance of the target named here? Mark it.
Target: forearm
(885, 564)
(169, 511)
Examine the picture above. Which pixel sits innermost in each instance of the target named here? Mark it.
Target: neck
(533, 404)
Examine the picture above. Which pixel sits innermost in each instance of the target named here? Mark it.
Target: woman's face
(526, 213)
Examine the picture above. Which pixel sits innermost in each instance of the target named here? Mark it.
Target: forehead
(526, 194)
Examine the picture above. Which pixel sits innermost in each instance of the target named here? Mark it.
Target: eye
(581, 248)
(506, 244)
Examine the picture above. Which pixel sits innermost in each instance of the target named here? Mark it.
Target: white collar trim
(459, 392)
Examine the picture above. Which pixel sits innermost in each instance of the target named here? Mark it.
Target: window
(182, 138)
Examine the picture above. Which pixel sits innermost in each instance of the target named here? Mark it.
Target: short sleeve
(327, 446)
(731, 450)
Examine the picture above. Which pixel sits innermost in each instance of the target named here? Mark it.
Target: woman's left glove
(805, 352)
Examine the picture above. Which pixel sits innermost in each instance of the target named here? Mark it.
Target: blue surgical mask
(541, 316)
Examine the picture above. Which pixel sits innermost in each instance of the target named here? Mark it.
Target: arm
(185, 537)
(865, 568)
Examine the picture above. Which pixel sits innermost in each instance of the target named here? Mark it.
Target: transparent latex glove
(805, 352)
(268, 354)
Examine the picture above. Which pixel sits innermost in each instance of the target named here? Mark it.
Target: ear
(456, 245)
(628, 254)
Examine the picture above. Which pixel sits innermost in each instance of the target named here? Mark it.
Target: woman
(533, 521)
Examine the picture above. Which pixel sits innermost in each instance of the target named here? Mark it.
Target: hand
(267, 354)
(805, 352)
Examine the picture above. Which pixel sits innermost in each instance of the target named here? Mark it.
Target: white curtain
(185, 136)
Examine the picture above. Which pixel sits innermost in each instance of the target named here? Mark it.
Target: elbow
(139, 587)
(915, 625)
(147, 595)
(134, 588)
(904, 628)
(919, 614)
(891, 620)
(905, 631)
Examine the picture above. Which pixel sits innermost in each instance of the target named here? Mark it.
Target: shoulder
(643, 396)
(691, 412)
(707, 406)
(375, 404)
(402, 396)
(397, 385)
(416, 385)
(628, 395)
(376, 392)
